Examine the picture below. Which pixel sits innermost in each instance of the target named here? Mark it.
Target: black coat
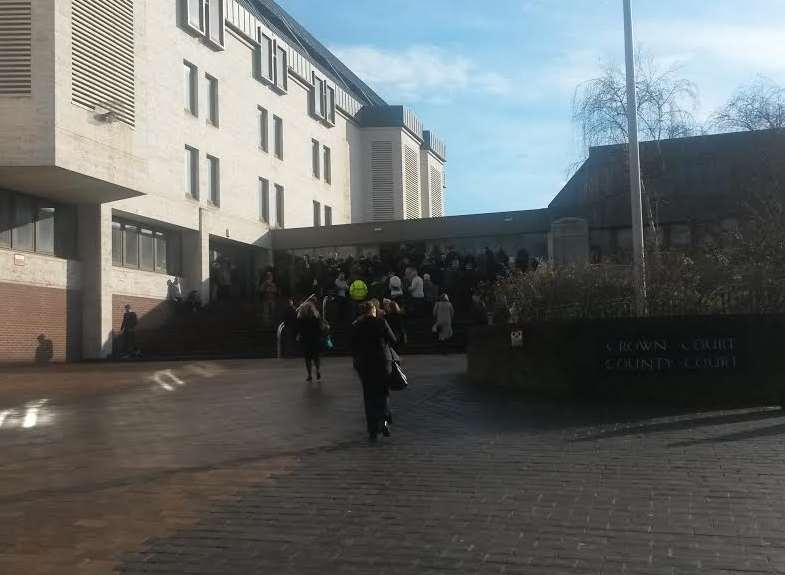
(310, 331)
(372, 341)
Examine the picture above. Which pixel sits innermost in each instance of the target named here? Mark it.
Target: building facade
(142, 140)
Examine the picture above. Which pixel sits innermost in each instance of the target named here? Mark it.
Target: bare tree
(665, 105)
(756, 106)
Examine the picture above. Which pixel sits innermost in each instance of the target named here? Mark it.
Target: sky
(496, 79)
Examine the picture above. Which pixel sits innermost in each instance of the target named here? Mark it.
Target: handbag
(398, 380)
(328, 343)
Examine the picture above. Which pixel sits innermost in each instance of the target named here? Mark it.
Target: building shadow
(45, 351)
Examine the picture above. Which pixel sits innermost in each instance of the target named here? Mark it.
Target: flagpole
(638, 246)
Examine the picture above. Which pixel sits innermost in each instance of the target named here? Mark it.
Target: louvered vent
(412, 165)
(15, 47)
(103, 56)
(382, 181)
(437, 209)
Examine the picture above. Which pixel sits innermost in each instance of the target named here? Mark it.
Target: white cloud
(421, 73)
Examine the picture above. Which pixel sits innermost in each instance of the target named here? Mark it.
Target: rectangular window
(328, 168)
(161, 253)
(195, 9)
(317, 214)
(265, 57)
(131, 246)
(215, 22)
(117, 244)
(281, 69)
(315, 158)
(328, 216)
(6, 219)
(278, 127)
(212, 100)
(264, 130)
(318, 97)
(45, 229)
(146, 250)
(190, 88)
(279, 206)
(23, 237)
(192, 172)
(264, 200)
(214, 179)
(330, 103)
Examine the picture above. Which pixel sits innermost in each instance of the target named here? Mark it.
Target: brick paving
(241, 468)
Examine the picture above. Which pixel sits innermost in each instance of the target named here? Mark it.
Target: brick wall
(28, 312)
(152, 313)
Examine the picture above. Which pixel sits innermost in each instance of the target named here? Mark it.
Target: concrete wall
(27, 123)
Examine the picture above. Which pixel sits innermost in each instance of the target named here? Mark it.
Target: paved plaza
(241, 468)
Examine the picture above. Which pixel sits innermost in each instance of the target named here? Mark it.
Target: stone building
(146, 139)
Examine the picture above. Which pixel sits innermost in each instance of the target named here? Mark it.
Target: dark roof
(303, 42)
(450, 227)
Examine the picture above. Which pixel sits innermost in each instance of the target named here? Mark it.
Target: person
(416, 290)
(430, 290)
(358, 291)
(290, 328)
(174, 291)
(444, 313)
(394, 317)
(372, 339)
(128, 330)
(268, 291)
(309, 333)
(479, 310)
(341, 289)
(396, 287)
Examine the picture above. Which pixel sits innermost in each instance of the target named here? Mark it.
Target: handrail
(325, 301)
(280, 339)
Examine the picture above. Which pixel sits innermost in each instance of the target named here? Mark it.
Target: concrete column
(95, 250)
(196, 258)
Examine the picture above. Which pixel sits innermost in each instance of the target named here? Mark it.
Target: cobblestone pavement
(241, 468)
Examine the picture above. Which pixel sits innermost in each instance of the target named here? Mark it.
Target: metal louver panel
(437, 209)
(412, 184)
(103, 56)
(382, 207)
(16, 47)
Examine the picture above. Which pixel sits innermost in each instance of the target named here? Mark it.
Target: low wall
(690, 361)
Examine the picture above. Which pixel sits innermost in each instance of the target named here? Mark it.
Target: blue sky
(496, 79)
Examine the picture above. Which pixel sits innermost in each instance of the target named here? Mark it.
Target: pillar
(95, 251)
(196, 258)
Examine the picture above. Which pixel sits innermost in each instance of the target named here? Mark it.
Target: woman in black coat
(394, 318)
(372, 339)
(309, 333)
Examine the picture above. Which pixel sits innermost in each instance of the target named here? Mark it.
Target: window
(279, 206)
(23, 237)
(328, 169)
(266, 52)
(131, 247)
(281, 69)
(195, 15)
(212, 100)
(190, 88)
(264, 200)
(323, 100)
(6, 220)
(214, 180)
(315, 158)
(215, 22)
(328, 216)
(317, 214)
(31, 225)
(278, 127)
(45, 229)
(192, 172)
(264, 130)
(144, 248)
